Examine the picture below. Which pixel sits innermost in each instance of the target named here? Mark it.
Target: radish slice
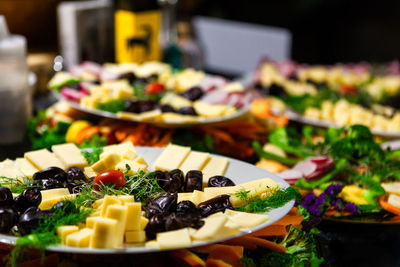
(71, 94)
(306, 167)
(315, 174)
(326, 165)
(318, 159)
(290, 174)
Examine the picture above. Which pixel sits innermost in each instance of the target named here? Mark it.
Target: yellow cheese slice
(49, 202)
(134, 167)
(152, 115)
(174, 239)
(255, 188)
(211, 192)
(126, 199)
(118, 213)
(152, 244)
(135, 236)
(89, 172)
(180, 118)
(184, 196)
(210, 228)
(171, 158)
(175, 101)
(108, 200)
(198, 197)
(133, 216)
(25, 167)
(70, 155)
(80, 239)
(194, 161)
(10, 173)
(143, 222)
(43, 159)
(246, 220)
(215, 166)
(65, 230)
(208, 110)
(104, 233)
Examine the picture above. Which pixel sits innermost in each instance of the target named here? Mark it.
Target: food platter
(238, 171)
(296, 117)
(164, 124)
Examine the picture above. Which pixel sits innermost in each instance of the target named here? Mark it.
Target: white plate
(208, 121)
(238, 171)
(294, 116)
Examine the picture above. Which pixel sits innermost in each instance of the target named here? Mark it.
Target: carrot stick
(387, 206)
(209, 248)
(217, 263)
(186, 258)
(294, 211)
(290, 220)
(272, 230)
(228, 254)
(252, 242)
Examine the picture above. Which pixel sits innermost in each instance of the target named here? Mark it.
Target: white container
(15, 93)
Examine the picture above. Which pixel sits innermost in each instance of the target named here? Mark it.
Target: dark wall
(324, 31)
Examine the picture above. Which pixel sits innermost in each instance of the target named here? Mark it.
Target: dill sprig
(277, 199)
(93, 155)
(16, 185)
(45, 234)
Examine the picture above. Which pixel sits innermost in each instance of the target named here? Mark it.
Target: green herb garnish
(277, 199)
(16, 186)
(93, 155)
(113, 106)
(94, 142)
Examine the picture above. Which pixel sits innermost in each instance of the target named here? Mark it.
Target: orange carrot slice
(251, 242)
(217, 263)
(272, 230)
(290, 220)
(186, 258)
(209, 248)
(228, 254)
(387, 206)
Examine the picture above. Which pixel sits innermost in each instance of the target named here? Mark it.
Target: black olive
(171, 182)
(6, 197)
(8, 218)
(276, 90)
(52, 183)
(52, 172)
(193, 94)
(156, 225)
(178, 174)
(30, 197)
(187, 111)
(167, 108)
(220, 181)
(163, 203)
(176, 221)
(139, 106)
(67, 206)
(214, 205)
(186, 206)
(30, 220)
(130, 76)
(75, 174)
(194, 181)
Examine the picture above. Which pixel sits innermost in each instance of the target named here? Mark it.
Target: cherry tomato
(154, 88)
(110, 177)
(348, 89)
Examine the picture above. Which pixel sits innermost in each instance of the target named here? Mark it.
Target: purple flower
(333, 189)
(338, 204)
(308, 200)
(351, 207)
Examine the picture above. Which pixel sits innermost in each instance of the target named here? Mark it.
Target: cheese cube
(135, 236)
(194, 161)
(70, 155)
(171, 158)
(122, 93)
(128, 154)
(133, 216)
(89, 102)
(89, 172)
(210, 228)
(140, 160)
(43, 159)
(117, 148)
(244, 219)
(175, 101)
(97, 203)
(104, 233)
(107, 163)
(65, 230)
(25, 167)
(174, 239)
(184, 196)
(143, 222)
(91, 220)
(198, 197)
(134, 167)
(215, 166)
(109, 200)
(118, 213)
(80, 239)
(126, 199)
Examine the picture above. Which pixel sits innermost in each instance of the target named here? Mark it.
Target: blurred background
(323, 32)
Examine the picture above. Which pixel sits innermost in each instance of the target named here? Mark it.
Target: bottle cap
(12, 47)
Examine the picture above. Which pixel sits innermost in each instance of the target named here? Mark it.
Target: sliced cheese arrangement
(116, 201)
(151, 92)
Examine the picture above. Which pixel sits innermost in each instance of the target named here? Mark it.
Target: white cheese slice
(25, 167)
(172, 157)
(394, 200)
(194, 161)
(244, 219)
(174, 239)
(70, 155)
(215, 166)
(210, 228)
(43, 159)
